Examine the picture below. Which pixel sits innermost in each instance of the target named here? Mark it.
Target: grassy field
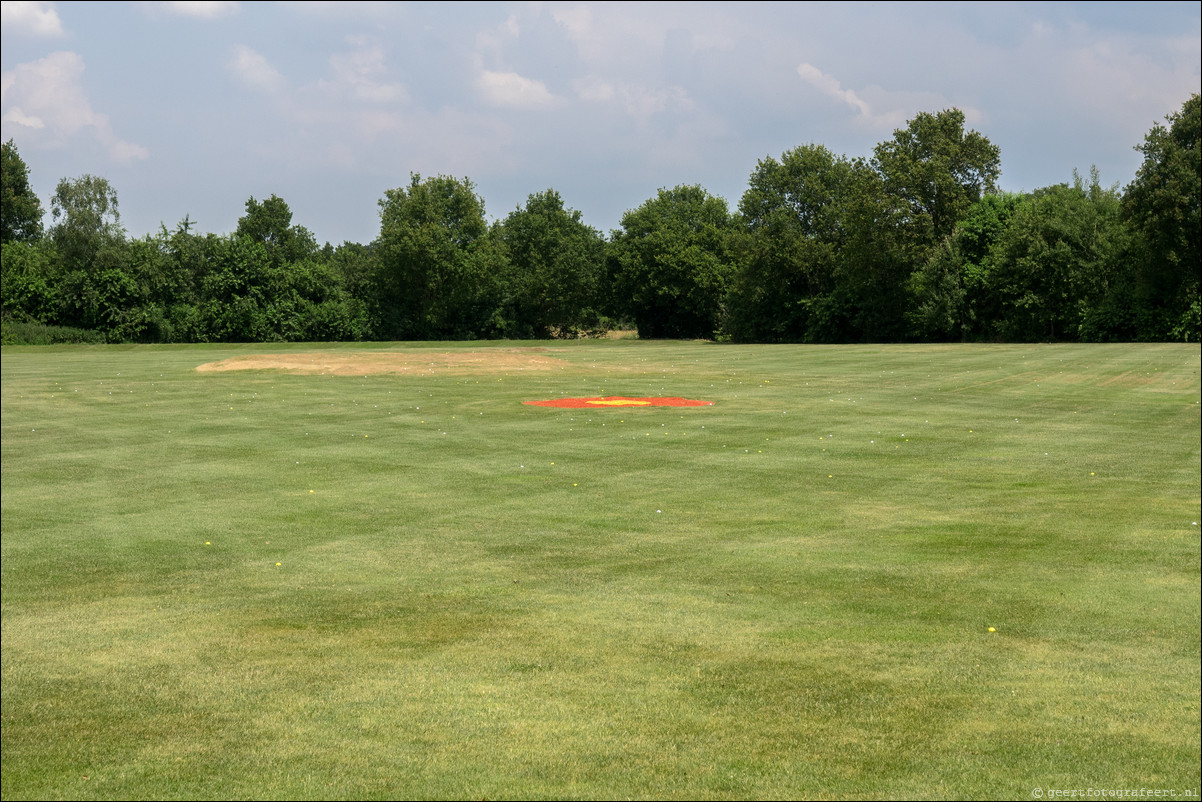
(863, 572)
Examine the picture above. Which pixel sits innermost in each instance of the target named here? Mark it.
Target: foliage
(236, 292)
(949, 298)
(817, 262)
(671, 263)
(13, 332)
(1164, 204)
(436, 267)
(20, 209)
(1057, 259)
(354, 266)
(246, 295)
(793, 229)
(86, 220)
(270, 223)
(29, 290)
(936, 170)
(914, 243)
(873, 263)
(555, 270)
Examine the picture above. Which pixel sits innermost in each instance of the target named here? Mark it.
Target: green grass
(261, 585)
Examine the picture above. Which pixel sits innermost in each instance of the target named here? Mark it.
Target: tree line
(914, 243)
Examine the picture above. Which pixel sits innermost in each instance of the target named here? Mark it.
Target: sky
(192, 108)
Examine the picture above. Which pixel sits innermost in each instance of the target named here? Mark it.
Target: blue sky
(194, 107)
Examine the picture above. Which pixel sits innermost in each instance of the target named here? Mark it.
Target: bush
(15, 333)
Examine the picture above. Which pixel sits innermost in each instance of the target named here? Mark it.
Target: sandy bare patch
(414, 363)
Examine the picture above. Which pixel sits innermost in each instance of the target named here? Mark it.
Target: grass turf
(877, 571)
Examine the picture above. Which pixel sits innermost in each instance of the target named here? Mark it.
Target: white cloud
(510, 90)
(620, 35)
(346, 124)
(1122, 69)
(200, 9)
(594, 89)
(828, 85)
(578, 22)
(642, 103)
(898, 106)
(362, 73)
(254, 70)
(48, 96)
(38, 19)
(124, 152)
(17, 116)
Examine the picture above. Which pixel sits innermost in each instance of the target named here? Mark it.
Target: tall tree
(270, 223)
(20, 209)
(354, 264)
(948, 293)
(90, 245)
(238, 292)
(436, 265)
(1057, 262)
(817, 259)
(671, 263)
(793, 218)
(556, 267)
(86, 219)
(1164, 204)
(937, 170)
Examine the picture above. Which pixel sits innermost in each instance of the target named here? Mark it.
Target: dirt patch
(410, 363)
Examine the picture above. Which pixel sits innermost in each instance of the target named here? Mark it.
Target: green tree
(354, 265)
(28, 282)
(319, 306)
(793, 222)
(936, 170)
(91, 253)
(949, 298)
(671, 263)
(1056, 267)
(436, 266)
(556, 268)
(86, 220)
(124, 291)
(187, 261)
(236, 292)
(817, 261)
(270, 222)
(1164, 205)
(20, 209)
